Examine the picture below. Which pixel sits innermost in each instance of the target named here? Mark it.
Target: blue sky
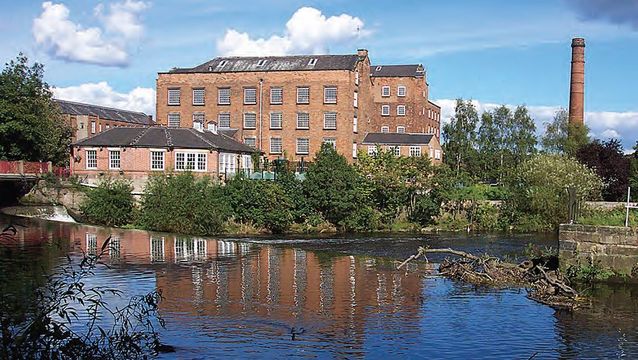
(496, 52)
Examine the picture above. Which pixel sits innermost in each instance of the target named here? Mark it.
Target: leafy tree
(561, 137)
(459, 136)
(293, 188)
(491, 143)
(31, 127)
(607, 159)
(334, 188)
(521, 136)
(110, 203)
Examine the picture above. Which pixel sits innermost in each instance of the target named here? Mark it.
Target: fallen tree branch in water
(540, 276)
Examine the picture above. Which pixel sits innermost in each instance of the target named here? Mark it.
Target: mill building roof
(397, 139)
(108, 113)
(415, 70)
(163, 137)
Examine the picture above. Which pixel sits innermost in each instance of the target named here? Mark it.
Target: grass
(615, 217)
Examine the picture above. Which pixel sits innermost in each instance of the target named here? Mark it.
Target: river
(239, 298)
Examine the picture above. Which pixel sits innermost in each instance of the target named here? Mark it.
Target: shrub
(486, 217)
(424, 210)
(183, 204)
(110, 203)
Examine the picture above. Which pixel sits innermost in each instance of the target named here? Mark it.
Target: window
(330, 121)
(415, 151)
(356, 99)
(396, 150)
(114, 159)
(92, 127)
(91, 159)
(250, 96)
(251, 141)
(331, 141)
(223, 120)
(198, 96)
(173, 96)
(157, 249)
(223, 96)
(81, 125)
(100, 127)
(330, 95)
(437, 154)
(354, 150)
(312, 62)
(222, 64)
(372, 150)
(227, 163)
(157, 160)
(400, 110)
(261, 62)
(401, 91)
(276, 95)
(275, 120)
(303, 146)
(198, 120)
(250, 120)
(190, 161)
(173, 120)
(385, 91)
(400, 129)
(355, 122)
(91, 244)
(303, 120)
(385, 129)
(431, 153)
(385, 110)
(378, 68)
(275, 145)
(356, 77)
(303, 95)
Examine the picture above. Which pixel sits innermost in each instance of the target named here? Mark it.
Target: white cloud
(602, 124)
(61, 38)
(138, 99)
(308, 31)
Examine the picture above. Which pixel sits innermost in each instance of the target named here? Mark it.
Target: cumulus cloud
(101, 93)
(55, 33)
(602, 124)
(308, 31)
(622, 12)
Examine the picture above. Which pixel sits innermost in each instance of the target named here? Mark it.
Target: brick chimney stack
(577, 85)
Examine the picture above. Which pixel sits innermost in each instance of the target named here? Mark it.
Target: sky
(491, 51)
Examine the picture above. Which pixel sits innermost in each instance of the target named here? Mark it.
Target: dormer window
(378, 68)
(222, 64)
(312, 62)
(261, 62)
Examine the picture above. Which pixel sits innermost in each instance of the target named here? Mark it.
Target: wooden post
(21, 167)
(49, 166)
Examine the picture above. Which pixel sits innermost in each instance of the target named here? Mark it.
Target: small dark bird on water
(294, 332)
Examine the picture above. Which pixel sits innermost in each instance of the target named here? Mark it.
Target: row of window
(250, 95)
(250, 120)
(401, 91)
(386, 129)
(412, 151)
(434, 115)
(183, 160)
(302, 145)
(385, 110)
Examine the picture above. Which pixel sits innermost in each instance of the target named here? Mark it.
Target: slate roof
(273, 63)
(131, 117)
(397, 139)
(162, 137)
(396, 70)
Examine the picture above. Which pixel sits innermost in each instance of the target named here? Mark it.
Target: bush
(487, 217)
(424, 210)
(183, 204)
(110, 203)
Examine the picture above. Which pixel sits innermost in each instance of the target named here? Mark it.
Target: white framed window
(356, 99)
(115, 247)
(330, 95)
(356, 77)
(114, 159)
(92, 127)
(303, 146)
(400, 110)
(275, 145)
(261, 62)
(415, 151)
(223, 120)
(276, 120)
(437, 154)
(396, 150)
(91, 244)
(372, 150)
(250, 120)
(303, 120)
(400, 129)
(251, 141)
(198, 120)
(174, 96)
(385, 110)
(312, 62)
(91, 159)
(250, 96)
(330, 121)
(187, 160)
(354, 150)
(401, 90)
(108, 126)
(157, 249)
(227, 163)
(157, 160)
(198, 96)
(173, 120)
(355, 124)
(385, 129)
(223, 96)
(331, 141)
(303, 95)
(276, 95)
(431, 153)
(385, 91)
(100, 127)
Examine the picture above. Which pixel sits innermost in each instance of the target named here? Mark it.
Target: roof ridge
(100, 106)
(196, 133)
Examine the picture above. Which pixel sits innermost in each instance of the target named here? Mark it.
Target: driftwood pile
(541, 276)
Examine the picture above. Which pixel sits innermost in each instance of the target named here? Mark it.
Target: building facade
(88, 120)
(287, 106)
(403, 144)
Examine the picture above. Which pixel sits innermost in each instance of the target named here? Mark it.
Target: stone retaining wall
(613, 247)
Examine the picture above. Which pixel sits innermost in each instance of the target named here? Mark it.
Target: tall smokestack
(577, 85)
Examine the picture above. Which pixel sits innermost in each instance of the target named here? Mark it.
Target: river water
(240, 298)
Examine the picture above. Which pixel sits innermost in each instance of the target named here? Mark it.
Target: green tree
(459, 136)
(491, 143)
(31, 126)
(521, 136)
(561, 137)
(110, 203)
